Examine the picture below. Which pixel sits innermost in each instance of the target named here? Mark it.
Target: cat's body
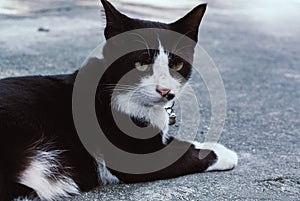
(40, 151)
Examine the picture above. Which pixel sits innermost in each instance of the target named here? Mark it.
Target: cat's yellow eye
(141, 67)
(178, 66)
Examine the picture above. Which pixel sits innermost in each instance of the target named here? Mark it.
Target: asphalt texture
(256, 47)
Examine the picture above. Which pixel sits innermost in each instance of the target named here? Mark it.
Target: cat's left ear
(116, 22)
(189, 24)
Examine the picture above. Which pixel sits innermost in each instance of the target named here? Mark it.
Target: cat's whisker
(177, 43)
(186, 92)
(124, 88)
(120, 85)
(181, 48)
(143, 42)
(112, 90)
(116, 90)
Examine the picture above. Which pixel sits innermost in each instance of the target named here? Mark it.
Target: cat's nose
(165, 92)
(162, 91)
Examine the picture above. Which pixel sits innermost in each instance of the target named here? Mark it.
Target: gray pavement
(256, 48)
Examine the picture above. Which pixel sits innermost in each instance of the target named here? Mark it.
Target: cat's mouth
(144, 96)
(164, 100)
(156, 99)
(160, 102)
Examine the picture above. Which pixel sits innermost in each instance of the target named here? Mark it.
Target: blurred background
(27, 23)
(256, 46)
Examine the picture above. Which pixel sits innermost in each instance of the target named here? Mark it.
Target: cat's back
(32, 107)
(30, 98)
(30, 89)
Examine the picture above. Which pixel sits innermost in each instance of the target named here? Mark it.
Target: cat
(40, 152)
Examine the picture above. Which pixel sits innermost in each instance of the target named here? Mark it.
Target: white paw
(226, 158)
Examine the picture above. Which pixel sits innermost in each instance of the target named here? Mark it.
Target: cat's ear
(189, 24)
(116, 22)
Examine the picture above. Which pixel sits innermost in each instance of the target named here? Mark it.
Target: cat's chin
(161, 103)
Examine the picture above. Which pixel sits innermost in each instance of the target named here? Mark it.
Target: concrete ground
(256, 47)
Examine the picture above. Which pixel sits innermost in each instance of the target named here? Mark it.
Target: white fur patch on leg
(45, 175)
(226, 158)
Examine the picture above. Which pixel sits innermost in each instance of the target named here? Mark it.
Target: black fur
(36, 113)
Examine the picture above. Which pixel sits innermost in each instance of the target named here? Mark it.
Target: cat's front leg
(198, 158)
(160, 119)
(226, 159)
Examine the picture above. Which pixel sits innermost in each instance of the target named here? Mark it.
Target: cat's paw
(226, 158)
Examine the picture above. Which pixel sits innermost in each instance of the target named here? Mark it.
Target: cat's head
(155, 74)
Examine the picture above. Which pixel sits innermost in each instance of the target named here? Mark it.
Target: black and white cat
(41, 154)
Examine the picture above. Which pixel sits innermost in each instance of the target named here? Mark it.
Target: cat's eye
(178, 66)
(141, 67)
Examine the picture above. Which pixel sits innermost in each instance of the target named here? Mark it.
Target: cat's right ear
(116, 22)
(189, 24)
